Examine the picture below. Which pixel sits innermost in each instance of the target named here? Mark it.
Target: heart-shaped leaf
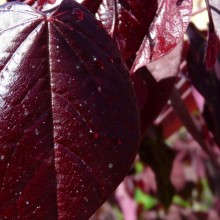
(69, 127)
(165, 31)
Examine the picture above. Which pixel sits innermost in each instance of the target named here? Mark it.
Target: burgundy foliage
(215, 6)
(69, 126)
(91, 5)
(153, 85)
(206, 82)
(81, 82)
(165, 31)
(127, 22)
(213, 45)
(151, 149)
(132, 24)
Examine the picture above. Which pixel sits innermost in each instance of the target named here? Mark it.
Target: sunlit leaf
(165, 31)
(68, 119)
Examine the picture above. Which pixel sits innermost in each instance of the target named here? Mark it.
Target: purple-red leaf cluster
(127, 22)
(69, 122)
(165, 31)
(69, 126)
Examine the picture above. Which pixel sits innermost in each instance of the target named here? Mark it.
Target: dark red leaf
(151, 149)
(68, 119)
(127, 21)
(91, 5)
(215, 49)
(165, 31)
(206, 82)
(141, 88)
(168, 115)
(212, 50)
(158, 81)
(187, 119)
(167, 66)
(157, 96)
(215, 10)
(213, 45)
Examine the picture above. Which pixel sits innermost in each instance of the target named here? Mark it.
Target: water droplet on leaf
(98, 63)
(36, 131)
(99, 89)
(110, 165)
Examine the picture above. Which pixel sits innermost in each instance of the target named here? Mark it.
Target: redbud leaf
(206, 82)
(151, 149)
(215, 5)
(165, 31)
(213, 45)
(127, 22)
(69, 126)
(154, 84)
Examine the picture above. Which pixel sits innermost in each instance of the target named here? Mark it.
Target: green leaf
(144, 199)
(179, 201)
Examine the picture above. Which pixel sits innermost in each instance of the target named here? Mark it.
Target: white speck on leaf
(36, 131)
(99, 89)
(110, 165)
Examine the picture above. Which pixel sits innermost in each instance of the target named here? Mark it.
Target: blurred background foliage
(176, 175)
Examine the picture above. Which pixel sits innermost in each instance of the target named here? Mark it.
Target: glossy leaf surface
(165, 31)
(127, 21)
(69, 126)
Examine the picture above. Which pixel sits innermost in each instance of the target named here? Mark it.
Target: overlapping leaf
(127, 21)
(69, 125)
(215, 5)
(206, 82)
(165, 31)
(151, 149)
(154, 84)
